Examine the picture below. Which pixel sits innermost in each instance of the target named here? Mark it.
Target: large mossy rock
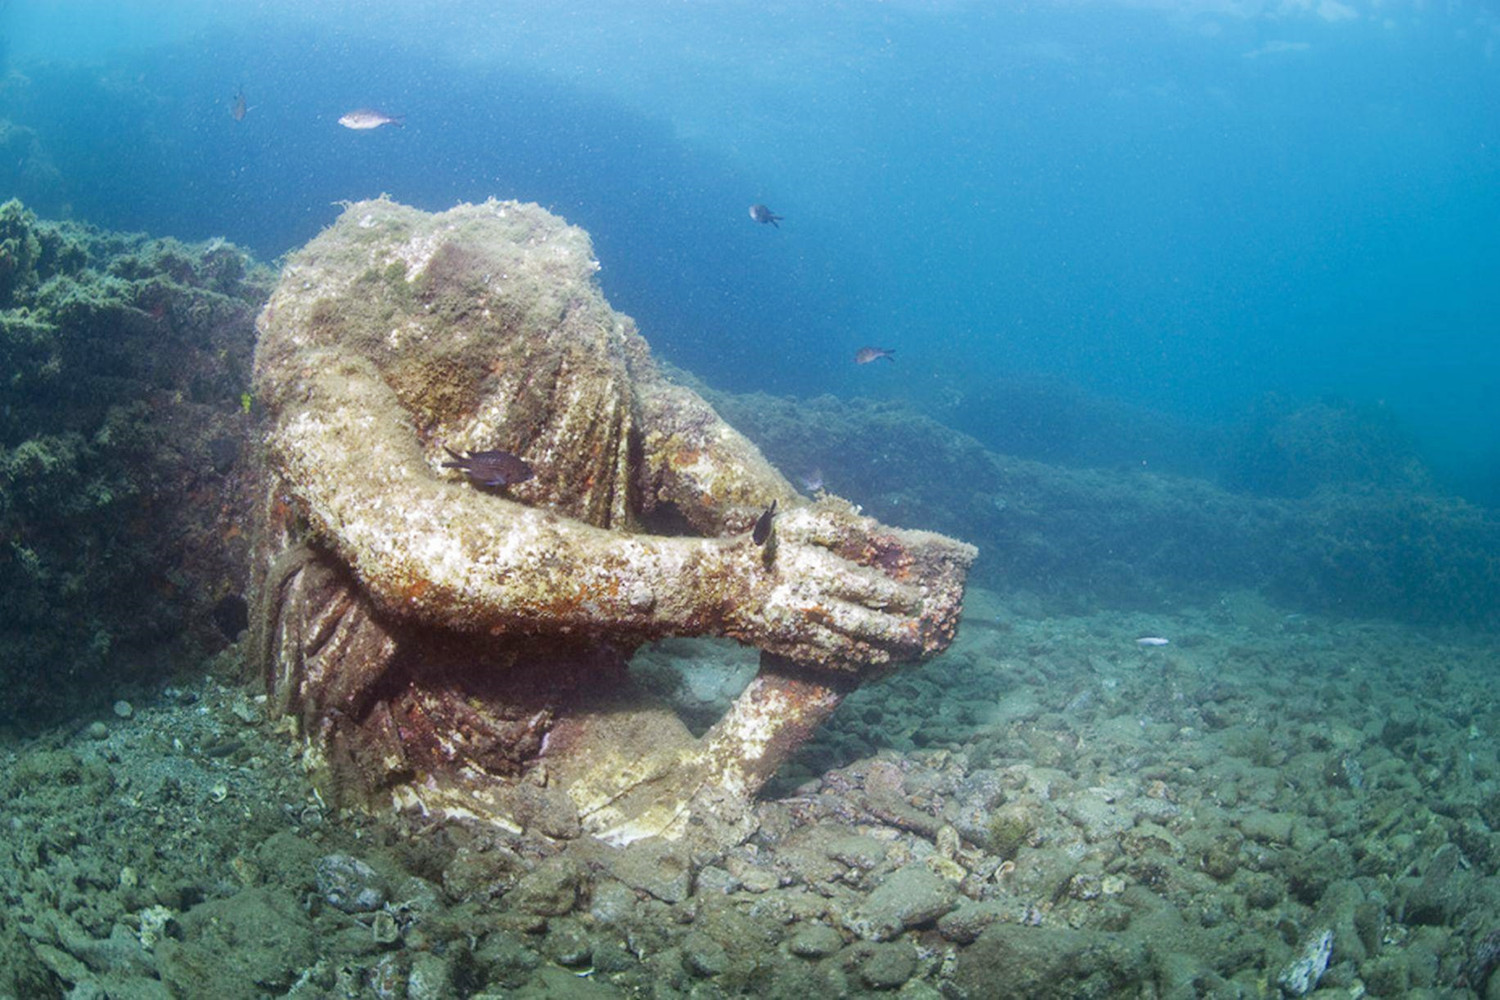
(123, 364)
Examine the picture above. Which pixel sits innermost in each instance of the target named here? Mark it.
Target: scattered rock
(661, 868)
(550, 889)
(888, 965)
(964, 924)
(1267, 827)
(431, 978)
(703, 956)
(349, 884)
(1302, 975)
(815, 941)
(569, 943)
(243, 946)
(909, 898)
(384, 929)
(1437, 896)
(1050, 963)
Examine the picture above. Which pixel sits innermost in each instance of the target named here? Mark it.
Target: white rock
(1299, 978)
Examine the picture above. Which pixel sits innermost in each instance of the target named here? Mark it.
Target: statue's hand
(841, 591)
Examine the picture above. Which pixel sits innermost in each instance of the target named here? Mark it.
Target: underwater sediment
(1045, 811)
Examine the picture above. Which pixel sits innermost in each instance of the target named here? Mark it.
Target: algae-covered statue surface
(458, 646)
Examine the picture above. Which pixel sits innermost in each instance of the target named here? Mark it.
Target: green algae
(123, 360)
(1008, 831)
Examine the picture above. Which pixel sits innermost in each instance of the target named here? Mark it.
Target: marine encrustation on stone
(462, 651)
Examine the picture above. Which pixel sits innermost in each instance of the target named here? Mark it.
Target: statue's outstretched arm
(434, 547)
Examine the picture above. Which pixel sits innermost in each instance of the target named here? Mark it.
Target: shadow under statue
(459, 649)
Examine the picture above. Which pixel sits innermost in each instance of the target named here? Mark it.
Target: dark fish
(865, 355)
(361, 119)
(762, 529)
(490, 468)
(239, 109)
(762, 214)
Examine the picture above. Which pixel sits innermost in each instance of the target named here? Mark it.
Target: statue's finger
(876, 591)
(854, 621)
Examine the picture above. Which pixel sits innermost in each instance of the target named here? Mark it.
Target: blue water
(1178, 207)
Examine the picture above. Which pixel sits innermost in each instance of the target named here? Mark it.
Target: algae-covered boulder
(123, 361)
(457, 642)
(252, 944)
(1011, 960)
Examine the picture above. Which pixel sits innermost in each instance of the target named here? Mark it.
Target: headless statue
(481, 495)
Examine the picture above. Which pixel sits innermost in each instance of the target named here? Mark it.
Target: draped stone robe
(460, 648)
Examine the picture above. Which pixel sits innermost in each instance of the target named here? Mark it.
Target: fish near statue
(460, 651)
(490, 468)
(764, 215)
(761, 533)
(364, 119)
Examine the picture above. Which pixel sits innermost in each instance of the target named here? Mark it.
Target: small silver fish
(1152, 640)
(239, 109)
(361, 119)
(865, 355)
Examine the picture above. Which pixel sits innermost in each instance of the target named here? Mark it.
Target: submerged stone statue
(456, 643)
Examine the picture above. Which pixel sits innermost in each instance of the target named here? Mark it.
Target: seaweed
(123, 362)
